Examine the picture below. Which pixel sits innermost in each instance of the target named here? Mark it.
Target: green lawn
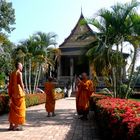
(135, 99)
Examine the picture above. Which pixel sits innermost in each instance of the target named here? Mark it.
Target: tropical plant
(5, 55)
(35, 54)
(7, 16)
(114, 26)
(7, 19)
(134, 39)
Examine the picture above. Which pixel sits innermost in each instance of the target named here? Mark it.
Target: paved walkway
(64, 126)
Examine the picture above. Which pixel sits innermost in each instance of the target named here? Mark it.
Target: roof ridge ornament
(81, 10)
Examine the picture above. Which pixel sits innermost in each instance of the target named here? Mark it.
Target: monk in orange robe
(50, 98)
(17, 99)
(85, 89)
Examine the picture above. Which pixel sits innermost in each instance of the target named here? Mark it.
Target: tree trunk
(30, 90)
(36, 75)
(26, 83)
(137, 76)
(39, 72)
(117, 73)
(121, 72)
(131, 73)
(114, 81)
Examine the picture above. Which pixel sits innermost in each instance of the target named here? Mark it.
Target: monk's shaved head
(84, 75)
(19, 66)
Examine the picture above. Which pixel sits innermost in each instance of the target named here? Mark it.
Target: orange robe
(85, 89)
(50, 99)
(17, 100)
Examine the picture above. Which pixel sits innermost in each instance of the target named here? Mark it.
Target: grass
(135, 99)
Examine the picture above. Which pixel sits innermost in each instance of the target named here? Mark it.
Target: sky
(58, 16)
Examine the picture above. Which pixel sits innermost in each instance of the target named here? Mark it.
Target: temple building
(73, 59)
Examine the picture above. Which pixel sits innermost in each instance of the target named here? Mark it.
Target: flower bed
(117, 118)
(31, 99)
(35, 99)
(4, 104)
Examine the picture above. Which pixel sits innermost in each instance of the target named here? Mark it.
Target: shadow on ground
(65, 117)
(38, 118)
(84, 130)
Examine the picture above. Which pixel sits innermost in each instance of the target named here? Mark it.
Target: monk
(85, 89)
(50, 98)
(17, 99)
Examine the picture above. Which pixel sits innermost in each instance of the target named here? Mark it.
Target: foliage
(7, 16)
(118, 118)
(5, 55)
(38, 55)
(2, 78)
(31, 100)
(35, 99)
(106, 91)
(123, 91)
(136, 77)
(114, 26)
(4, 102)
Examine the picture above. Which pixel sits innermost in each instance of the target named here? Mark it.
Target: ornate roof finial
(81, 10)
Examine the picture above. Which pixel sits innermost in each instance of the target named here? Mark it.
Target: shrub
(4, 104)
(123, 90)
(31, 99)
(118, 118)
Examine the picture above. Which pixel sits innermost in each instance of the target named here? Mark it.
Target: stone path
(64, 126)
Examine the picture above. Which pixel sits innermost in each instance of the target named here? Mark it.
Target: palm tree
(36, 56)
(43, 42)
(114, 26)
(134, 39)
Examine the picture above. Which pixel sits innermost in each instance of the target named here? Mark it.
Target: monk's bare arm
(88, 86)
(91, 87)
(21, 80)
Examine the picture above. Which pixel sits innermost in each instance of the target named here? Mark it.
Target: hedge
(31, 99)
(4, 104)
(117, 118)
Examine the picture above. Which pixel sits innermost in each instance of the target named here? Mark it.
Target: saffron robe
(85, 89)
(17, 100)
(50, 99)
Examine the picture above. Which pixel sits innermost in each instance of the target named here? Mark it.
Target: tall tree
(134, 39)
(114, 26)
(43, 43)
(35, 50)
(7, 16)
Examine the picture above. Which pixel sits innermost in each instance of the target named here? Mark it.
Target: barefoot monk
(85, 89)
(50, 99)
(17, 99)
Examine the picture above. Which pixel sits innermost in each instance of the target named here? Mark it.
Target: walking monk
(85, 89)
(17, 99)
(50, 99)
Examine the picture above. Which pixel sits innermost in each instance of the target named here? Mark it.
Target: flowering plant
(121, 116)
(31, 99)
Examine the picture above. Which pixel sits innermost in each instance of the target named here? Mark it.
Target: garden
(38, 54)
(30, 99)
(117, 118)
(117, 114)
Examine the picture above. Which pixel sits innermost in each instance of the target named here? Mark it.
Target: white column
(71, 68)
(71, 72)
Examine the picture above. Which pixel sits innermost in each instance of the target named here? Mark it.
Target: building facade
(73, 60)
